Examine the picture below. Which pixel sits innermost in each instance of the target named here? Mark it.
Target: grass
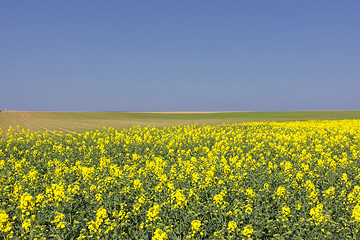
(86, 121)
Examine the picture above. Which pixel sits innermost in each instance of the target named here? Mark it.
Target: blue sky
(180, 55)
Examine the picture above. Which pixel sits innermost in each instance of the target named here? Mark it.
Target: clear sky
(163, 55)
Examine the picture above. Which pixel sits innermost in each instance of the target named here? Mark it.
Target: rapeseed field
(292, 180)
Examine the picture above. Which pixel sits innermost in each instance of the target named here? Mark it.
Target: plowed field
(69, 122)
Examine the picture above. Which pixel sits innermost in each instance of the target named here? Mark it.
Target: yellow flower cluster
(153, 213)
(264, 180)
(248, 230)
(5, 225)
(232, 226)
(159, 235)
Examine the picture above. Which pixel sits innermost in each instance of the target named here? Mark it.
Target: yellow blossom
(26, 224)
(153, 212)
(195, 225)
(5, 225)
(159, 235)
(232, 226)
(356, 213)
(281, 191)
(285, 211)
(248, 230)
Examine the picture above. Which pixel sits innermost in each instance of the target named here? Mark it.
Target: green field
(68, 122)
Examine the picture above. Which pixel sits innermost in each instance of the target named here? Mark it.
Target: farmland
(280, 179)
(81, 122)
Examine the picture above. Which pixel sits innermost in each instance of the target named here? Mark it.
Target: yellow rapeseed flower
(285, 211)
(26, 224)
(195, 225)
(280, 192)
(248, 230)
(232, 226)
(5, 225)
(159, 235)
(356, 213)
(153, 212)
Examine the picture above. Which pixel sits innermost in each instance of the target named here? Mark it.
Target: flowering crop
(293, 180)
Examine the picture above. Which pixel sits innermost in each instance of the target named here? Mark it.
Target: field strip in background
(80, 122)
(82, 125)
(56, 124)
(26, 120)
(29, 123)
